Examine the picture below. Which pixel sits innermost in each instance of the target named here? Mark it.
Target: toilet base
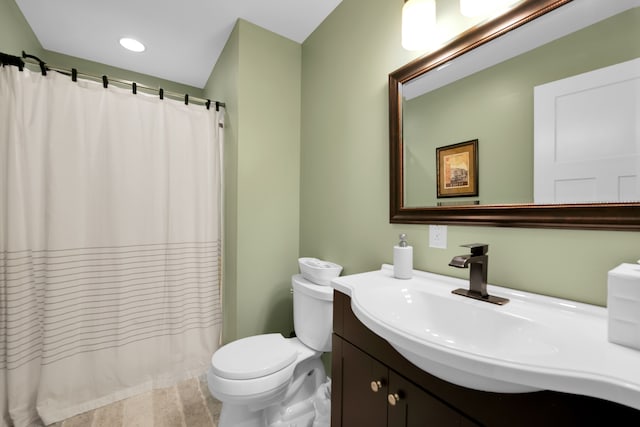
(241, 416)
(296, 409)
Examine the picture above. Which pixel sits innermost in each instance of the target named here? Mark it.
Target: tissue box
(623, 303)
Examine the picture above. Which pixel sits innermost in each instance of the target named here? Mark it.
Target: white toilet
(269, 380)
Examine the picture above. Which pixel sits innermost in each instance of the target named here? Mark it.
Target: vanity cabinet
(417, 408)
(366, 406)
(374, 386)
(379, 396)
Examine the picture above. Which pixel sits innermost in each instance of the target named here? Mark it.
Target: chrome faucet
(478, 262)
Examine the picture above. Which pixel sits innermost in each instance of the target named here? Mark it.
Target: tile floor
(187, 404)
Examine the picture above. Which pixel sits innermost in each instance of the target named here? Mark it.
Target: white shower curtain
(110, 245)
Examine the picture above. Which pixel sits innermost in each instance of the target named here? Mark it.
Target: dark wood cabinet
(367, 406)
(411, 406)
(378, 396)
(373, 385)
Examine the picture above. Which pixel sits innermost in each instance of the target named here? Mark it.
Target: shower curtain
(110, 244)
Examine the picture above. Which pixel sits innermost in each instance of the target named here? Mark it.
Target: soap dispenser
(402, 259)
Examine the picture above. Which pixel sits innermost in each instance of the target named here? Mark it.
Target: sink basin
(532, 343)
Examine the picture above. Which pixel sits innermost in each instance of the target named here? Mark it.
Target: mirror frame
(594, 216)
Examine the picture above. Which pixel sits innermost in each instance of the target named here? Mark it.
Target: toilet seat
(258, 390)
(253, 357)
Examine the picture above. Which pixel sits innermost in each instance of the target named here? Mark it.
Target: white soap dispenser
(402, 259)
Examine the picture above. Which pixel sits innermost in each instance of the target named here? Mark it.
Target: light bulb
(418, 23)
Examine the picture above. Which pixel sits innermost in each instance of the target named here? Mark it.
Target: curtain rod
(74, 73)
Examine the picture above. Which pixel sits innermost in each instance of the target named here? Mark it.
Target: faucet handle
(477, 248)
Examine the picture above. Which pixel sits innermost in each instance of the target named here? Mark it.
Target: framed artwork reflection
(457, 169)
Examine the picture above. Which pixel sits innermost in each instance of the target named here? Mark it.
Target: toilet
(272, 381)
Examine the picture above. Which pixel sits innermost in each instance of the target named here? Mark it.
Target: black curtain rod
(11, 60)
(74, 73)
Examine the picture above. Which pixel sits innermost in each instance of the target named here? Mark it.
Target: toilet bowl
(269, 380)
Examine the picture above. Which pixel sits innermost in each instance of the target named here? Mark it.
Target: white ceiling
(183, 38)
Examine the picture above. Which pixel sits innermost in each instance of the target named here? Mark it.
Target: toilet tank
(312, 313)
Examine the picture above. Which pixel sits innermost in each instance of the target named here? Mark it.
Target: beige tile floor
(188, 404)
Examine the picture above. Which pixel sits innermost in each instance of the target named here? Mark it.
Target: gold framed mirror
(520, 211)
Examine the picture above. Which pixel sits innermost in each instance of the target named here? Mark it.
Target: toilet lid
(253, 357)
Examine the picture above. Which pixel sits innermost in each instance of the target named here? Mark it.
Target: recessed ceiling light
(132, 44)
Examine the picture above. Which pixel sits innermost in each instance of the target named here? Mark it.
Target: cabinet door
(363, 403)
(410, 406)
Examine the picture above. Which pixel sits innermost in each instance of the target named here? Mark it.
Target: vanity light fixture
(418, 23)
(132, 44)
(475, 8)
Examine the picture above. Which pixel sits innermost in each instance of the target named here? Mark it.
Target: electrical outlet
(438, 236)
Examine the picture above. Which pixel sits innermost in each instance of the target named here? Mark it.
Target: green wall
(99, 69)
(15, 33)
(495, 106)
(259, 75)
(223, 82)
(344, 210)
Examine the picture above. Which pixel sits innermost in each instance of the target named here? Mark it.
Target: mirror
(485, 86)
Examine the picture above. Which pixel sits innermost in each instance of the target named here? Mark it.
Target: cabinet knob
(393, 399)
(376, 386)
